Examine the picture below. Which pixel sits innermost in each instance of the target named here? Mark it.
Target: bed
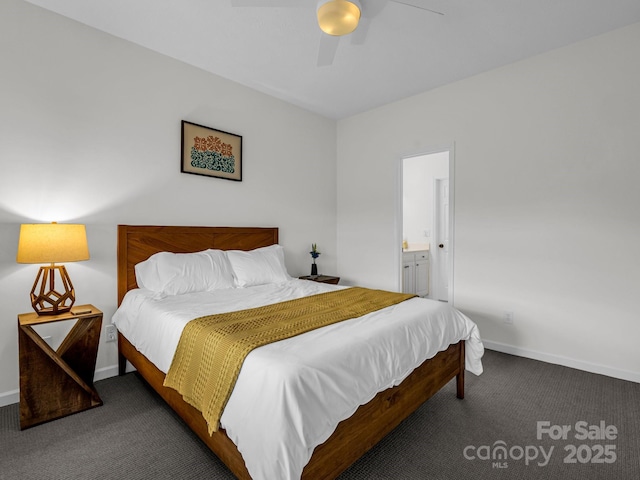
(354, 435)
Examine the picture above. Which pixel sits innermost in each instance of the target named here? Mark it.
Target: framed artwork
(210, 152)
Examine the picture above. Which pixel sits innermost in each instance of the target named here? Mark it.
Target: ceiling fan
(337, 18)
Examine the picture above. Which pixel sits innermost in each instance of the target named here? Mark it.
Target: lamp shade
(52, 243)
(338, 17)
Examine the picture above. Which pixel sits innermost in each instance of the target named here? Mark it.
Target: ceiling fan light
(338, 17)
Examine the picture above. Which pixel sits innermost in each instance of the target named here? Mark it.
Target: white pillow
(179, 273)
(258, 267)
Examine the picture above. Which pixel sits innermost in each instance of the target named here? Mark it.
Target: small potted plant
(314, 254)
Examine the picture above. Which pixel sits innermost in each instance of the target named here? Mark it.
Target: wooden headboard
(136, 243)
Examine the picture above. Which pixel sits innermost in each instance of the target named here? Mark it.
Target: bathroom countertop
(416, 247)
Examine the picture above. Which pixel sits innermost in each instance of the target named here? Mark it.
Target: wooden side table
(54, 384)
(321, 279)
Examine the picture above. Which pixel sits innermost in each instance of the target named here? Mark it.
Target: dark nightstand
(321, 279)
(54, 384)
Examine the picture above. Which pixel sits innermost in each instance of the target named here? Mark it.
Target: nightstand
(56, 383)
(321, 279)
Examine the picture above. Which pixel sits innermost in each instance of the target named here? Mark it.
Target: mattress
(290, 395)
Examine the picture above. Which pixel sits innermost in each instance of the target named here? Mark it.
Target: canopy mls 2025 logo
(596, 446)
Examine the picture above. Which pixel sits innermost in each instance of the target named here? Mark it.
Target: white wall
(547, 221)
(90, 133)
(546, 199)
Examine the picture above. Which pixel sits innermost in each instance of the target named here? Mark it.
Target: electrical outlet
(111, 333)
(508, 318)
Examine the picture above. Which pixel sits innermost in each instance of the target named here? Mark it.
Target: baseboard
(564, 361)
(105, 372)
(10, 397)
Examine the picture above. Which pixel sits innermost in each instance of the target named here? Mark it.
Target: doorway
(426, 225)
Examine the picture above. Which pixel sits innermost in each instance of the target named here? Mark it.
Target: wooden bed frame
(353, 436)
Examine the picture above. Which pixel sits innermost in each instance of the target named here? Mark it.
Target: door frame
(397, 254)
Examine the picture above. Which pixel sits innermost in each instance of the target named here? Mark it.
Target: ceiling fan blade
(410, 4)
(370, 10)
(266, 3)
(327, 51)
(360, 34)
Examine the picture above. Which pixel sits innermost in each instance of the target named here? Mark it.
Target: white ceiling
(407, 50)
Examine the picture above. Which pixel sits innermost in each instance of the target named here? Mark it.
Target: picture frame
(210, 152)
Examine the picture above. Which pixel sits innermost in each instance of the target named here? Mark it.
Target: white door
(440, 249)
(422, 277)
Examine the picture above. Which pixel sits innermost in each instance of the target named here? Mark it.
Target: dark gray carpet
(135, 436)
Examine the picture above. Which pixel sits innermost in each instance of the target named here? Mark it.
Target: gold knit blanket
(212, 349)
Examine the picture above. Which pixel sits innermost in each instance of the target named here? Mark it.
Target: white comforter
(290, 395)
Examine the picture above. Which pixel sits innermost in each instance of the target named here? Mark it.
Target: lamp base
(45, 300)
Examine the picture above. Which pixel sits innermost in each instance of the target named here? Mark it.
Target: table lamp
(52, 243)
